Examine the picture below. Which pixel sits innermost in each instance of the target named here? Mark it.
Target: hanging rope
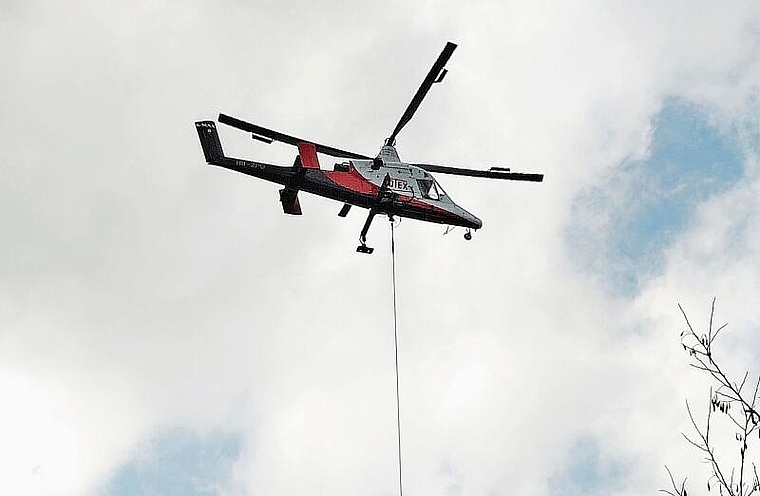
(395, 345)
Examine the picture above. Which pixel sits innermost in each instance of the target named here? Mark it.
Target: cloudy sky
(165, 329)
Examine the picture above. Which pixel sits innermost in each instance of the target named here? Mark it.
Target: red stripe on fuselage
(353, 180)
(359, 184)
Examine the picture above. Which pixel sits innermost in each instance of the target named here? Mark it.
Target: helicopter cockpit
(408, 180)
(430, 189)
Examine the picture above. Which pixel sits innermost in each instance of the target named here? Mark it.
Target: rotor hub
(388, 154)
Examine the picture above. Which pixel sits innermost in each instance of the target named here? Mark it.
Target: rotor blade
(259, 132)
(436, 74)
(493, 173)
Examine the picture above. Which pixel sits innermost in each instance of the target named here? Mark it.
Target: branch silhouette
(731, 402)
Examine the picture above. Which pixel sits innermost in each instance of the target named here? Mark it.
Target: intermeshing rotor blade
(259, 132)
(432, 77)
(491, 174)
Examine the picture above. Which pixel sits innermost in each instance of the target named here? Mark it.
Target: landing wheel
(468, 235)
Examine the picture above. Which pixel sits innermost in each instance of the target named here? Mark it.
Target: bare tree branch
(676, 490)
(743, 417)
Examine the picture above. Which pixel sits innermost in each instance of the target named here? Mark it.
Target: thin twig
(726, 395)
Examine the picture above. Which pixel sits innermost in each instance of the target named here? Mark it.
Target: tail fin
(212, 147)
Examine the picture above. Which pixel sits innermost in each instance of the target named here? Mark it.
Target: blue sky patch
(623, 224)
(178, 462)
(586, 474)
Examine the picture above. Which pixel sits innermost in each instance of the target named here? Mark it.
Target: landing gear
(468, 235)
(384, 197)
(364, 249)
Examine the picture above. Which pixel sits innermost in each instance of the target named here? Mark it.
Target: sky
(165, 329)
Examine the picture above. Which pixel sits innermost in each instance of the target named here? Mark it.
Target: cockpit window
(428, 189)
(441, 192)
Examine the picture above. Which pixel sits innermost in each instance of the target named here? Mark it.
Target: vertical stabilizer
(308, 154)
(212, 147)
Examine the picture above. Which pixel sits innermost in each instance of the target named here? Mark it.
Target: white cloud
(140, 288)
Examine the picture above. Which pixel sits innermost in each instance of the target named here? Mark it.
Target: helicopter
(383, 184)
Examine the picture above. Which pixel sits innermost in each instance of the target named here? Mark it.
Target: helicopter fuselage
(409, 191)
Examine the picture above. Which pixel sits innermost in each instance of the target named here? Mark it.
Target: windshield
(430, 189)
(441, 192)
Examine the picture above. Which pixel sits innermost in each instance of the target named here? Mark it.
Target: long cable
(395, 345)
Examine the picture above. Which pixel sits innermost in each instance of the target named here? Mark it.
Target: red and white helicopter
(383, 184)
